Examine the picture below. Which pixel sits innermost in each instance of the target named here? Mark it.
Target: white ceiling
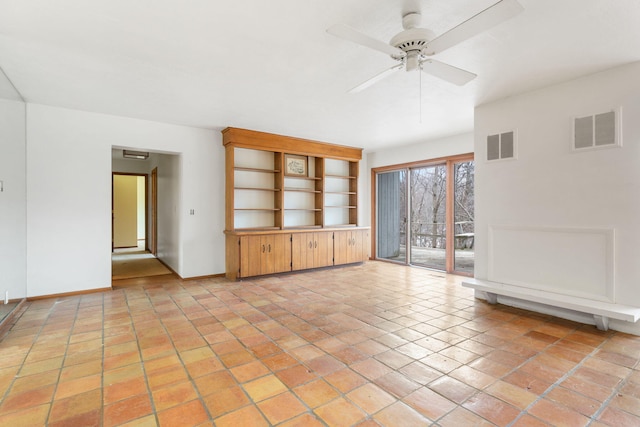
(271, 66)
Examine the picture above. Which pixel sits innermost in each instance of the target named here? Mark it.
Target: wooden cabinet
(279, 220)
(311, 250)
(253, 253)
(264, 254)
(350, 246)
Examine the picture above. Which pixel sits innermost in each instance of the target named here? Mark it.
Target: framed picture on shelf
(295, 165)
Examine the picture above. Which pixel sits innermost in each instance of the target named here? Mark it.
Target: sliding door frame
(449, 162)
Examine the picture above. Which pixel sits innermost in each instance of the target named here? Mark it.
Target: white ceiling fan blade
(376, 78)
(355, 36)
(484, 20)
(447, 72)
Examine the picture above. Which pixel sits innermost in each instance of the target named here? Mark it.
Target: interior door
(125, 211)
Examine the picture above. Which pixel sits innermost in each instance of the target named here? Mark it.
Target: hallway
(130, 263)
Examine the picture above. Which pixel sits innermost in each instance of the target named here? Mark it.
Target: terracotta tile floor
(368, 345)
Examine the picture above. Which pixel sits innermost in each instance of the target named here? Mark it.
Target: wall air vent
(501, 146)
(596, 131)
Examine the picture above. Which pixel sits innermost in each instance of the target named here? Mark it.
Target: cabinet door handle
(269, 247)
(315, 244)
(310, 244)
(263, 248)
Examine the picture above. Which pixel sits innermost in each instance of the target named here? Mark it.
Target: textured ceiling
(271, 66)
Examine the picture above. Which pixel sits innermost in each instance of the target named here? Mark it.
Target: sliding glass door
(463, 217)
(424, 214)
(428, 216)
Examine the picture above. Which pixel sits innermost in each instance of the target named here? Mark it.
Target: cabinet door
(360, 246)
(322, 249)
(279, 254)
(267, 262)
(302, 251)
(341, 247)
(350, 246)
(250, 254)
(266, 254)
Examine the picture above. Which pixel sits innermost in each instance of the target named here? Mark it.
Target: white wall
(69, 204)
(433, 149)
(169, 214)
(13, 237)
(583, 206)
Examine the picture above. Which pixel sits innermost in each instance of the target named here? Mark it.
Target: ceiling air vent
(596, 131)
(501, 146)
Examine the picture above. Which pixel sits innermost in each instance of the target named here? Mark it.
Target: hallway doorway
(131, 256)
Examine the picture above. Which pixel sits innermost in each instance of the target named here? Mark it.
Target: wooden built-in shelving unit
(263, 201)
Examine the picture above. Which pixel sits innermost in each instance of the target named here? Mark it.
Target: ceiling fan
(414, 47)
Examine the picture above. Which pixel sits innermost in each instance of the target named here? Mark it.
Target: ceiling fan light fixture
(413, 60)
(138, 155)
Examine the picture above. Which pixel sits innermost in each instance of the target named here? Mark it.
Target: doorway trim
(154, 212)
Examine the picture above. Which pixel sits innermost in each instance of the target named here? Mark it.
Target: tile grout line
(64, 357)
(340, 394)
(21, 364)
(368, 416)
(557, 383)
(514, 369)
(207, 344)
(142, 361)
(191, 379)
(102, 360)
(605, 403)
(285, 351)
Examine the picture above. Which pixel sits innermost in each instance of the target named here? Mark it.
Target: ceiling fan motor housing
(411, 41)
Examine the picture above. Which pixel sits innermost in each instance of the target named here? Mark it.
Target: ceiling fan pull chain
(420, 95)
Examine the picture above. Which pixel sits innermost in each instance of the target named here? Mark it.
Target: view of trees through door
(425, 215)
(463, 233)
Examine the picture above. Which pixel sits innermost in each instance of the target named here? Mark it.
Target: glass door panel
(463, 217)
(428, 191)
(392, 215)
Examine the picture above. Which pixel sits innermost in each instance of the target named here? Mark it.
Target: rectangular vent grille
(599, 130)
(501, 146)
